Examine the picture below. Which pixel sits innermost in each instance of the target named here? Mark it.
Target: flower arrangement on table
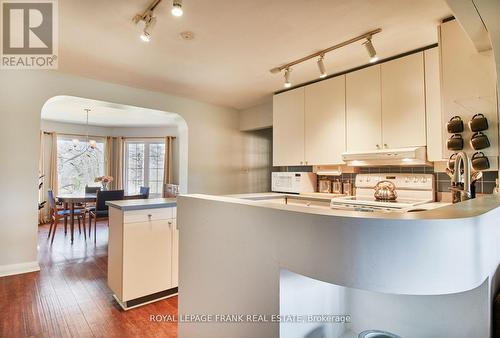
(105, 180)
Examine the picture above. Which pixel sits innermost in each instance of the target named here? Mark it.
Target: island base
(155, 297)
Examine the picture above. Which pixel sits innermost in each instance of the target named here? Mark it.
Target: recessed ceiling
(70, 109)
(236, 42)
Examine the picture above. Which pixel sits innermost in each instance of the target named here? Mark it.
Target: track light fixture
(321, 54)
(177, 8)
(370, 49)
(321, 67)
(287, 84)
(147, 20)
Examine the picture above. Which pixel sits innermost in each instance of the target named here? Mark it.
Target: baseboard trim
(16, 269)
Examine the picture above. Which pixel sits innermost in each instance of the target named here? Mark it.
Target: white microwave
(293, 182)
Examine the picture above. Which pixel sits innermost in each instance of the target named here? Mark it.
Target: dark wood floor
(69, 297)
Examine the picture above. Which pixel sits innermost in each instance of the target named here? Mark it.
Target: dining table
(69, 201)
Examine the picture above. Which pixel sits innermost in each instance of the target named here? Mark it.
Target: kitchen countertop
(262, 196)
(436, 210)
(152, 203)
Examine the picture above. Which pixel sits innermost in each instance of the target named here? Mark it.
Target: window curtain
(42, 213)
(108, 157)
(53, 164)
(167, 171)
(47, 172)
(114, 161)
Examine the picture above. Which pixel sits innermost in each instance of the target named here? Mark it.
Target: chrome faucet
(461, 182)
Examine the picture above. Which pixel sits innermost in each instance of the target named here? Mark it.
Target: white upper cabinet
(433, 105)
(468, 87)
(288, 128)
(403, 102)
(325, 121)
(363, 109)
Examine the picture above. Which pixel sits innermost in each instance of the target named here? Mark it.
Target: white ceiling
(70, 109)
(236, 42)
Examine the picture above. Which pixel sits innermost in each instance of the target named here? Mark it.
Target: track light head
(177, 8)
(149, 22)
(370, 49)
(321, 67)
(145, 36)
(287, 84)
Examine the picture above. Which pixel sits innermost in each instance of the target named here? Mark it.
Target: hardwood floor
(69, 297)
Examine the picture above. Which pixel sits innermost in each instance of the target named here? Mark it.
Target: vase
(104, 186)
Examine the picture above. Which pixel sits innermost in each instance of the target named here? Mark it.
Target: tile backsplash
(484, 186)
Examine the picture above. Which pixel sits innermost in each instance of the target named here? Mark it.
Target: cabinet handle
(378, 146)
(301, 162)
(385, 145)
(150, 216)
(169, 224)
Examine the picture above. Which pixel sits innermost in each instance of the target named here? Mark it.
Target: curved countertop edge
(141, 204)
(410, 256)
(467, 209)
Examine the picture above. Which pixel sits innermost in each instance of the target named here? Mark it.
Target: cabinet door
(363, 109)
(147, 261)
(325, 121)
(434, 121)
(175, 254)
(403, 102)
(288, 128)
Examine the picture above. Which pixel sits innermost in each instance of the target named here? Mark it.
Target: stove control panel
(400, 180)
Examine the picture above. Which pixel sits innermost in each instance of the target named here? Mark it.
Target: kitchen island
(241, 251)
(142, 250)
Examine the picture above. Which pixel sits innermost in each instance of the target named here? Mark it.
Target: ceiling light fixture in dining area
(321, 54)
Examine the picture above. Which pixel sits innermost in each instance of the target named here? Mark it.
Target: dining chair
(101, 209)
(144, 191)
(92, 190)
(90, 205)
(57, 213)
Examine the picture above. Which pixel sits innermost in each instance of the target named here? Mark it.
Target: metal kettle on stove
(385, 191)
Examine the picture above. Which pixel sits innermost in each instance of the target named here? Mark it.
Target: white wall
(257, 158)
(212, 153)
(257, 117)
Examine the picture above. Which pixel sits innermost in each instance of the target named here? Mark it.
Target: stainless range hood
(413, 156)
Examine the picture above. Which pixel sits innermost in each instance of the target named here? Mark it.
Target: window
(77, 164)
(144, 164)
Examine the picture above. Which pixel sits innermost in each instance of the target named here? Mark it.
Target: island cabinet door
(147, 261)
(175, 254)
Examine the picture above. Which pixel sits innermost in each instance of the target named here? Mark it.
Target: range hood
(414, 156)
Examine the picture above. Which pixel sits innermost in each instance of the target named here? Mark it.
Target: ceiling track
(366, 35)
(151, 7)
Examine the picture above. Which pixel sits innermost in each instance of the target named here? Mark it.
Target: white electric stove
(412, 190)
